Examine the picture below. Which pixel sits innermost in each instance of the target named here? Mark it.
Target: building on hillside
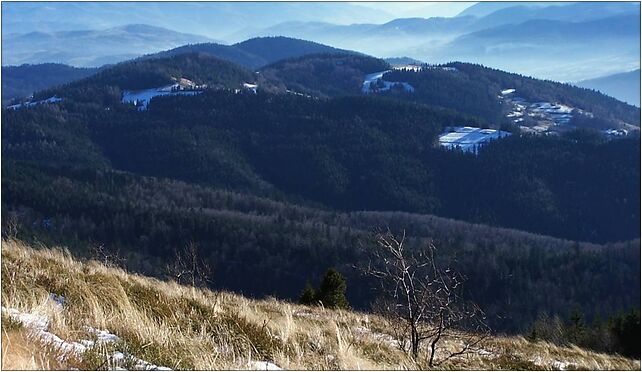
(469, 139)
(251, 87)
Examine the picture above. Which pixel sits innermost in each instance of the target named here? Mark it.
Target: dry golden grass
(19, 352)
(186, 328)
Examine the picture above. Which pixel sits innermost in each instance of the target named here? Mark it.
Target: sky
(419, 9)
(212, 19)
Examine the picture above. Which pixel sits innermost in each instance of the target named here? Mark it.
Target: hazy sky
(419, 9)
(213, 19)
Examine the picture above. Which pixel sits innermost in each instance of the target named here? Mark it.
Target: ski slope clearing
(373, 83)
(141, 98)
(49, 100)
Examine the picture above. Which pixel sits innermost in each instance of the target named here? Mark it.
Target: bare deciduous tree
(423, 300)
(10, 228)
(110, 258)
(189, 268)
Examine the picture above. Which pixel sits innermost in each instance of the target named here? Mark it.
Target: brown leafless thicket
(422, 300)
(189, 268)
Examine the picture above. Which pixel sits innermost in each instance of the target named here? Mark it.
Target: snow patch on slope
(49, 100)
(38, 326)
(141, 98)
(263, 366)
(374, 82)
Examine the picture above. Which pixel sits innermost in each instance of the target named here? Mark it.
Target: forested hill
(22, 81)
(348, 153)
(514, 276)
(257, 52)
(467, 88)
(476, 89)
(325, 75)
(106, 86)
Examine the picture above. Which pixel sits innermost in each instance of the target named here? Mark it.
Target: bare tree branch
(421, 299)
(189, 268)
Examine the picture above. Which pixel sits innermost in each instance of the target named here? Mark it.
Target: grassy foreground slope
(59, 312)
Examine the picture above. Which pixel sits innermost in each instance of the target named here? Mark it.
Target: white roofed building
(469, 139)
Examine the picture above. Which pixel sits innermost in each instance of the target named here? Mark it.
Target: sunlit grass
(182, 327)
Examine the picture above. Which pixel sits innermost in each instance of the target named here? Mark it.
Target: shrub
(332, 292)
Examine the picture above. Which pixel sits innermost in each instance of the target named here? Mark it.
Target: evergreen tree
(625, 329)
(332, 292)
(307, 295)
(576, 329)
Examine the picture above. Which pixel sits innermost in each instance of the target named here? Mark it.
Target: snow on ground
(541, 112)
(288, 91)
(469, 139)
(382, 337)
(38, 326)
(306, 314)
(58, 299)
(102, 335)
(562, 366)
(487, 353)
(263, 366)
(415, 68)
(371, 81)
(615, 132)
(49, 100)
(371, 78)
(557, 364)
(250, 87)
(141, 98)
(443, 68)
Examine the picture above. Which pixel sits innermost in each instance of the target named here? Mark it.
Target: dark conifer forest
(277, 186)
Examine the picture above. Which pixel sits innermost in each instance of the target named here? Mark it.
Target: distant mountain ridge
(512, 36)
(484, 8)
(257, 52)
(571, 12)
(21, 81)
(92, 48)
(522, 29)
(598, 47)
(213, 19)
(624, 86)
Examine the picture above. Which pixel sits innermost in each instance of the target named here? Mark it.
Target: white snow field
(556, 114)
(469, 139)
(49, 100)
(141, 98)
(508, 91)
(370, 81)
